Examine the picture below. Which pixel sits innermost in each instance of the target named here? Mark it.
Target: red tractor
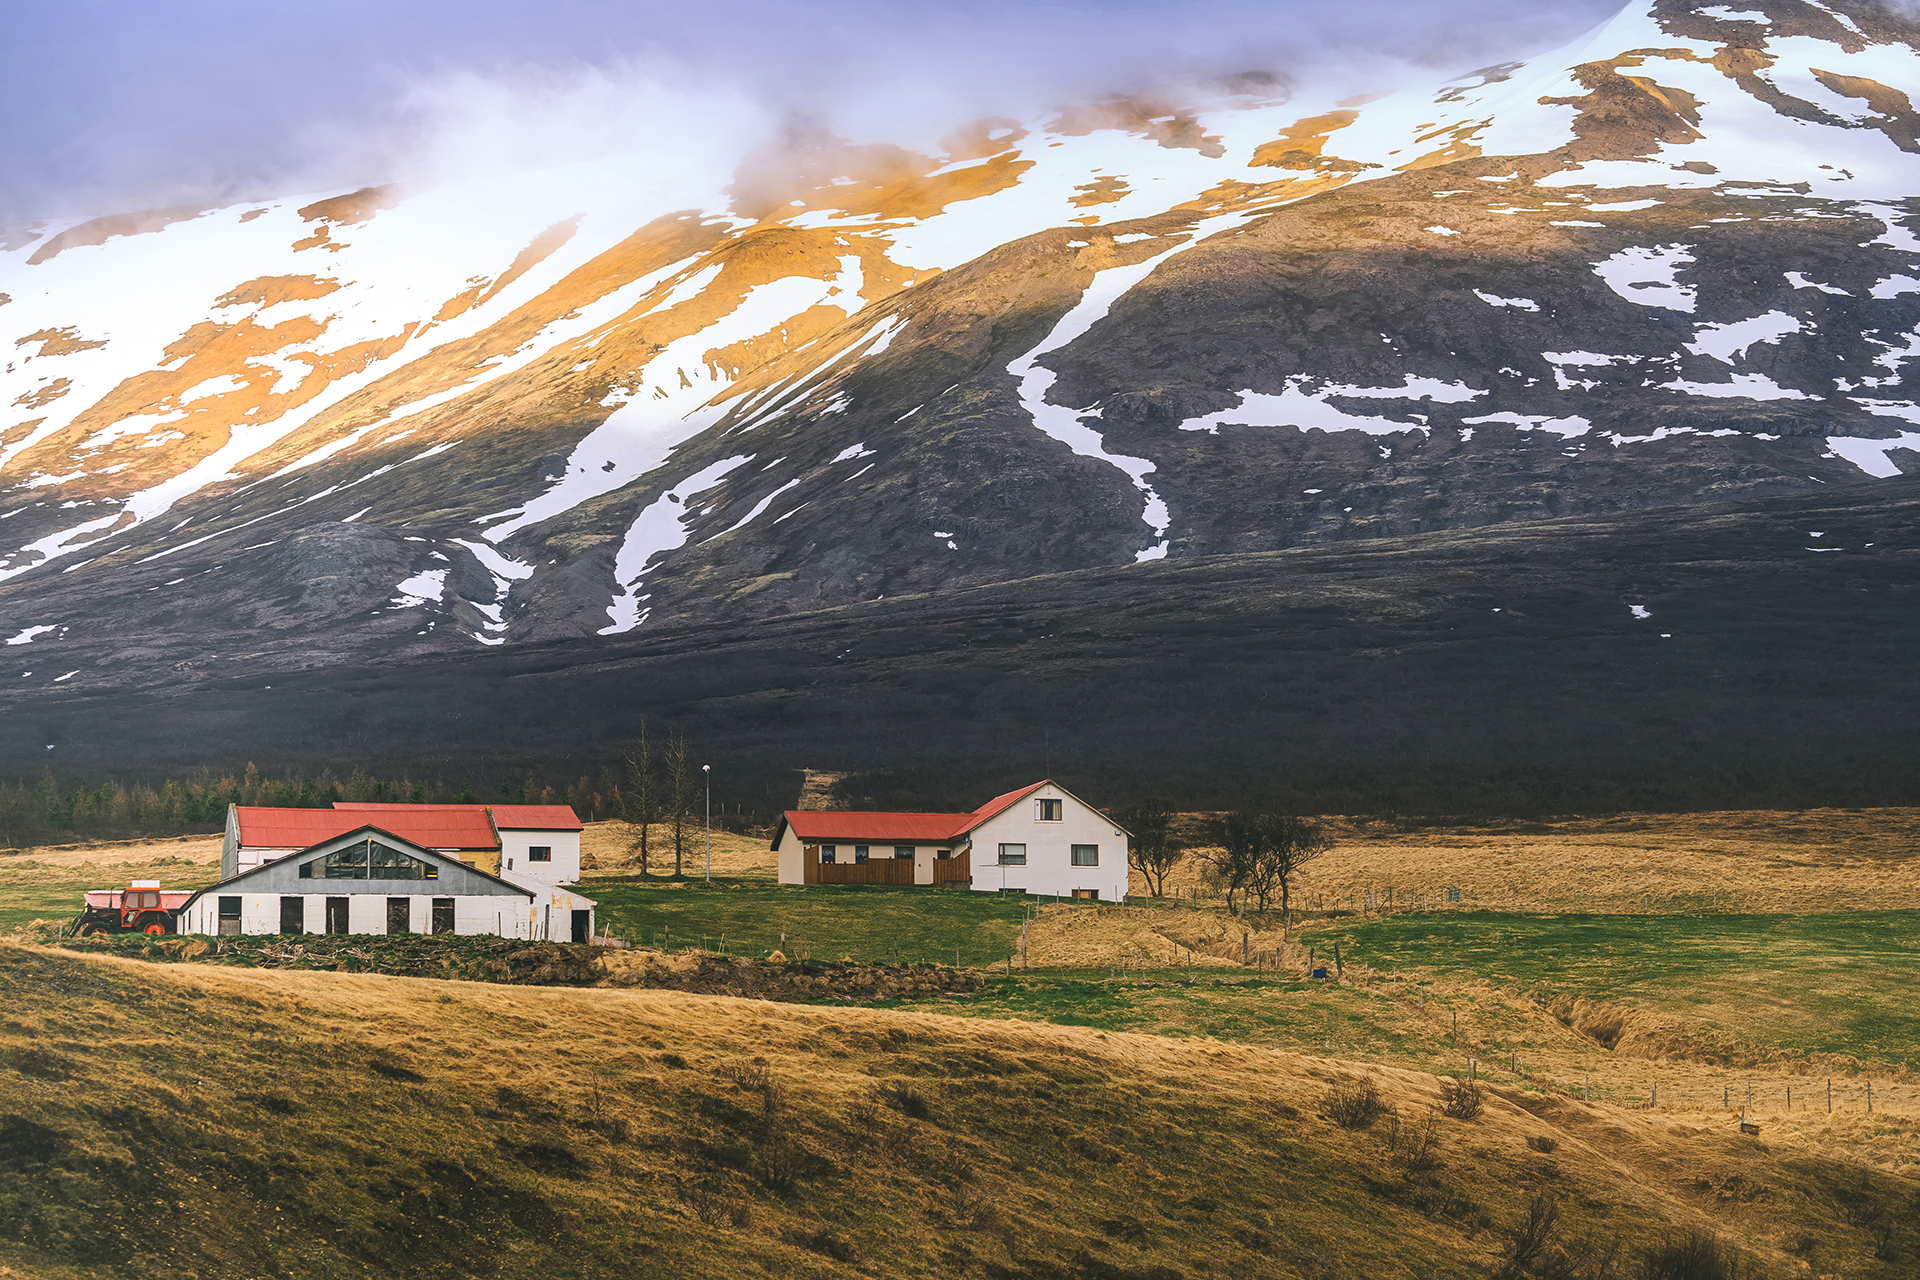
(141, 907)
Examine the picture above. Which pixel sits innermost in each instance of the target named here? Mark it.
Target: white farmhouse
(1040, 839)
(371, 881)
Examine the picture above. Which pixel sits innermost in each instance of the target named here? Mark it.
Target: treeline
(49, 811)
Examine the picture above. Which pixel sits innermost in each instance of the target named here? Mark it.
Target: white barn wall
(366, 913)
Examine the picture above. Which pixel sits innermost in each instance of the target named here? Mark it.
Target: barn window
(1049, 811)
(368, 860)
(1086, 855)
(540, 853)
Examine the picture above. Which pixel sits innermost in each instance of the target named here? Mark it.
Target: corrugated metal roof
(462, 827)
(881, 828)
(509, 817)
(999, 803)
(536, 817)
(876, 828)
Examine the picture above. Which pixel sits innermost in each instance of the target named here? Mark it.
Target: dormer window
(368, 860)
(1048, 810)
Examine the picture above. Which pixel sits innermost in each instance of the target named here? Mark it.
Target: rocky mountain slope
(1669, 263)
(1755, 654)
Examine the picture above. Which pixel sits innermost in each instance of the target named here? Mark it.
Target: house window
(1091, 895)
(540, 853)
(903, 851)
(1086, 855)
(1013, 855)
(943, 853)
(1049, 810)
(828, 852)
(859, 853)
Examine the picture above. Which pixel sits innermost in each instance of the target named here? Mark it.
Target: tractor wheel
(153, 927)
(89, 929)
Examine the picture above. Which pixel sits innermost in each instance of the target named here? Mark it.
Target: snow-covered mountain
(1668, 263)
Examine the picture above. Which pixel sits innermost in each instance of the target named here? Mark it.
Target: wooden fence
(889, 871)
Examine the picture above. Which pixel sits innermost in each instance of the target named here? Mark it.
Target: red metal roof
(508, 817)
(877, 828)
(999, 803)
(536, 817)
(455, 827)
(881, 828)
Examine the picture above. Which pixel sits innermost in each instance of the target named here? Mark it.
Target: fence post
(1869, 1097)
(1243, 948)
(1829, 1095)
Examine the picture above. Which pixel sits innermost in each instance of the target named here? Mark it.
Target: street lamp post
(706, 771)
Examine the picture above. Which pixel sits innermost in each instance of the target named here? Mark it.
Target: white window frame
(1040, 809)
(1013, 859)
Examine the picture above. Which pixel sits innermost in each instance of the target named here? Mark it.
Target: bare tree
(1262, 854)
(642, 809)
(1238, 837)
(1154, 849)
(1289, 844)
(679, 794)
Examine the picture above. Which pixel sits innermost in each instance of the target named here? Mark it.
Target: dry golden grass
(606, 850)
(1745, 861)
(188, 1120)
(203, 851)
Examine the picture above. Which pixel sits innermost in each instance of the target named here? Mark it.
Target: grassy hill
(191, 1121)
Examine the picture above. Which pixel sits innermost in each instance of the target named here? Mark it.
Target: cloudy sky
(116, 104)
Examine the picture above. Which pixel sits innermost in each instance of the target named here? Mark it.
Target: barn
(371, 881)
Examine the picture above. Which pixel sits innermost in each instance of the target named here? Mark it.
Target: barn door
(443, 915)
(337, 914)
(399, 915)
(582, 926)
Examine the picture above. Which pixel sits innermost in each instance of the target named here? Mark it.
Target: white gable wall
(1049, 868)
(564, 868)
(792, 851)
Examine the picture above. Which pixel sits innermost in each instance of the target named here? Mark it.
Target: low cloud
(114, 105)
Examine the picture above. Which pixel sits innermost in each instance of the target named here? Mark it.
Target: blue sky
(113, 104)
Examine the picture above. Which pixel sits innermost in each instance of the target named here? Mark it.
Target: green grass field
(1828, 983)
(750, 916)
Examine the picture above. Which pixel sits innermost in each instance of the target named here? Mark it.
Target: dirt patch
(551, 964)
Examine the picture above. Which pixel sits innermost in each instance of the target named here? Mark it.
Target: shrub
(905, 1099)
(748, 1075)
(1460, 1099)
(1697, 1255)
(1542, 1143)
(1354, 1104)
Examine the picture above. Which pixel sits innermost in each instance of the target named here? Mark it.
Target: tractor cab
(142, 907)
